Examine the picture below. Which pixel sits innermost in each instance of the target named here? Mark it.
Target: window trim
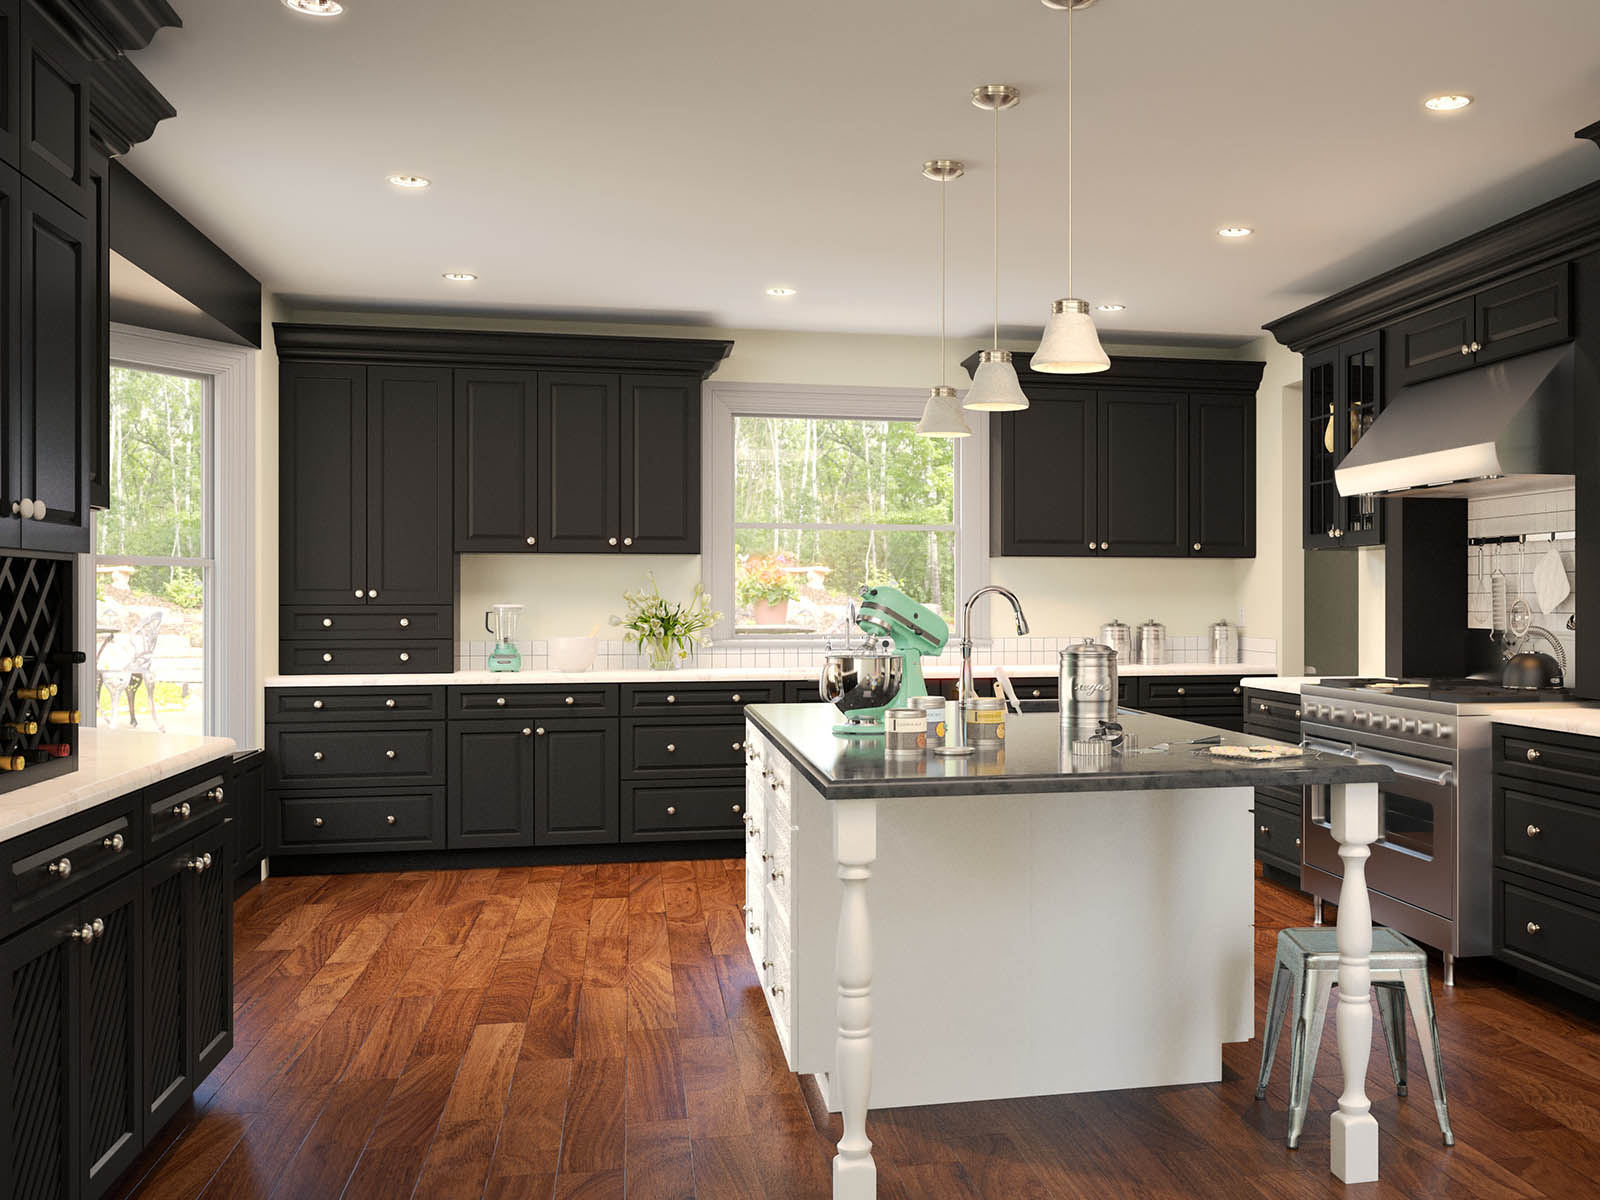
(230, 519)
(725, 401)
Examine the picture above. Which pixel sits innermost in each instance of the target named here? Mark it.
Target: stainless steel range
(1429, 874)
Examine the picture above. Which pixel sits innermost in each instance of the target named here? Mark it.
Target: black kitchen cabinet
(580, 492)
(247, 792)
(11, 406)
(111, 1035)
(497, 460)
(1343, 394)
(98, 432)
(1045, 478)
(492, 783)
(409, 527)
(54, 110)
(1434, 343)
(10, 77)
(660, 464)
(1521, 315)
(1278, 812)
(1222, 465)
(1144, 463)
(576, 796)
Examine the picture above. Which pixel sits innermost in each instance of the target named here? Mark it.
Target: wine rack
(38, 694)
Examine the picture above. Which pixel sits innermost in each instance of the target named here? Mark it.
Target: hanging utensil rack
(1522, 539)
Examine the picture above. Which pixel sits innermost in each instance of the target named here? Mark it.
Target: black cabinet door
(1144, 474)
(40, 1057)
(1222, 476)
(209, 916)
(110, 1122)
(579, 457)
(497, 460)
(660, 467)
(1322, 513)
(322, 533)
(246, 792)
(410, 552)
(54, 109)
(1524, 314)
(99, 431)
(1434, 343)
(1360, 401)
(10, 92)
(10, 352)
(57, 393)
(165, 1016)
(576, 796)
(491, 798)
(1045, 468)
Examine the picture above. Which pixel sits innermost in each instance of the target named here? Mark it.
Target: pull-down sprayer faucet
(966, 631)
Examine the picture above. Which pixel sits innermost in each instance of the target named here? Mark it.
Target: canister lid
(1087, 649)
(927, 703)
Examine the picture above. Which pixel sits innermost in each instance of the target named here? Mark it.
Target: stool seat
(1304, 973)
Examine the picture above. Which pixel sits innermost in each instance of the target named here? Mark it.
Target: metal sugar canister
(1224, 643)
(1152, 642)
(1119, 637)
(986, 722)
(935, 707)
(1088, 683)
(905, 732)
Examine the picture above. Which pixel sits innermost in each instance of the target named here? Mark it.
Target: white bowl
(572, 653)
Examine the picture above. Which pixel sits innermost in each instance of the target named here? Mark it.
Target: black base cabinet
(575, 789)
(1276, 715)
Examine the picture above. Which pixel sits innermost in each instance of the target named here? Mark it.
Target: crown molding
(124, 106)
(131, 24)
(1138, 371)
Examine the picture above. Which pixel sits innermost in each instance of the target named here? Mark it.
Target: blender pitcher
(505, 656)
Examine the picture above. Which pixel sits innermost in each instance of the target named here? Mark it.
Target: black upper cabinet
(10, 93)
(53, 126)
(1044, 478)
(409, 529)
(491, 783)
(580, 438)
(1433, 343)
(322, 483)
(497, 457)
(1144, 466)
(1222, 467)
(1521, 315)
(577, 797)
(99, 430)
(10, 357)
(660, 464)
(1343, 394)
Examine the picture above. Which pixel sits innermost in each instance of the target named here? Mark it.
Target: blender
(505, 656)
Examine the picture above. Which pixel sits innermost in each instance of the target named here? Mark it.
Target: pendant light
(995, 387)
(1070, 345)
(942, 416)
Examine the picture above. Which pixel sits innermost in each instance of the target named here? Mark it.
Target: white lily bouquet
(666, 631)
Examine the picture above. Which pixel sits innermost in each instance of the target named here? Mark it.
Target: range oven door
(1413, 858)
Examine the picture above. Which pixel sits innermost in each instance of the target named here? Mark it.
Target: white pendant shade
(995, 386)
(1070, 345)
(942, 416)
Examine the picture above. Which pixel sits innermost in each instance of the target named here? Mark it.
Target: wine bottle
(63, 658)
(8, 663)
(42, 692)
(65, 716)
(52, 750)
(28, 727)
(12, 762)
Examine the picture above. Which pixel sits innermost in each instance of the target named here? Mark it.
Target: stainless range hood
(1494, 430)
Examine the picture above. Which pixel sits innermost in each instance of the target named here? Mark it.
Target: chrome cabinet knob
(1236, 691)
(327, 622)
(1534, 755)
(327, 658)
(1465, 349)
(736, 697)
(776, 875)
(60, 869)
(215, 794)
(114, 843)
(735, 808)
(1297, 714)
(405, 656)
(372, 593)
(613, 541)
(1534, 831)
(1091, 545)
(1105, 545)
(83, 933)
(316, 704)
(672, 699)
(1035, 693)
(1476, 346)
(500, 701)
(388, 703)
(360, 594)
(199, 863)
(540, 731)
(627, 541)
(405, 622)
(389, 820)
(532, 541)
(316, 755)
(1261, 708)
(388, 753)
(1263, 829)
(671, 811)
(1297, 842)
(775, 990)
(671, 749)
(1534, 927)
(1183, 691)
(317, 821)
(569, 700)
(182, 811)
(528, 732)
(737, 745)
(1197, 545)
(752, 930)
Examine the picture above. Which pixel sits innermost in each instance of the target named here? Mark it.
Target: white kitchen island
(1038, 925)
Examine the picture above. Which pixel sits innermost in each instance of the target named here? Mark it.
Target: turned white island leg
(1354, 819)
(855, 846)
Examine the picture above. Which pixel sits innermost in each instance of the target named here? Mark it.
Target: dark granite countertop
(1035, 758)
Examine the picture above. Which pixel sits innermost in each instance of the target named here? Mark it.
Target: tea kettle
(1531, 670)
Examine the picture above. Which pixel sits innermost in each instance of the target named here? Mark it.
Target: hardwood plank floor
(597, 1031)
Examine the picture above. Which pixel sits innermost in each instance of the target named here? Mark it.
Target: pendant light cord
(1071, 6)
(943, 184)
(997, 226)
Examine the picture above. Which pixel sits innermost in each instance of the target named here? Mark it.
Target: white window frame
(725, 401)
(230, 373)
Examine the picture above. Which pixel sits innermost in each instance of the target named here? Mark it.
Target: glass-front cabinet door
(1343, 389)
(1361, 399)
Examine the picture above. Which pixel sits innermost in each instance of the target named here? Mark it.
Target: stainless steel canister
(1152, 642)
(1119, 637)
(986, 722)
(1224, 643)
(1088, 683)
(935, 707)
(905, 732)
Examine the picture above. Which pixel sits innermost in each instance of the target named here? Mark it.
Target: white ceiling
(670, 161)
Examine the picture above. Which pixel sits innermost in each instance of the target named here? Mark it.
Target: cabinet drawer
(588, 700)
(317, 824)
(1189, 690)
(717, 699)
(1277, 833)
(176, 811)
(1549, 831)
(652, 813)
(1037, 687)
(661, 749)
(332, 705)
(1557, 758)
(55, 865)
(356, 658)
(358, 757)
(1272, 708)
(1548, 934)
(811, 693)
(340, 624)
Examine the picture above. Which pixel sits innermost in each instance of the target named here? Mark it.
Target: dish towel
(1550, 583)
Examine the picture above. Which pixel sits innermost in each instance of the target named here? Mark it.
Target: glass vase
(661, 656)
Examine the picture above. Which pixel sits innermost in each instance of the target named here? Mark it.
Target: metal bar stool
(1303, 976)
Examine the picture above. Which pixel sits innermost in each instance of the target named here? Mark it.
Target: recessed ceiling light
(1447, 102)
(1235, 231)
(780, 291)
(460, 276)
(409, 182)
(315, 8)
(1111, 307)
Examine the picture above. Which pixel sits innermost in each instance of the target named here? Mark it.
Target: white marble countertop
(1580, 717)
(1289, 685)
(111, 763)
(712, 675)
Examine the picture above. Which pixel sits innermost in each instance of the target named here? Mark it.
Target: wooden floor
(599, 1032)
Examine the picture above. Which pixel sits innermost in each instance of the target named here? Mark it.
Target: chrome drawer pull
(776, 991)
(114, 843)
(215, 794)
(60, 869)
(327, 622)
(672, 699)
(1534, 831)
(671, 811)
(736, 697)
(327, 658)
(182, 811)
(388, 703)
(777, 875)
(1183, 691)
(199, 863)
(1534, 927)
(389, 819)
(84, 933)
(738, 745)
(316, 755)
(569, 699)
(671, 749)
(735, 808)
(388, 753)
(500, 701)
(528, 732)
(316, 704)
(405, 622)
(539, 730)
(752, 930)
(317, 821)
(1534, 755)
(1263, 829)
(404, 657)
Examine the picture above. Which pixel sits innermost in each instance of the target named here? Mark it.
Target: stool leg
(1316, 910)
(1420, 997)
(1277, 1002)
(1392, 1016)
(1311, 1010)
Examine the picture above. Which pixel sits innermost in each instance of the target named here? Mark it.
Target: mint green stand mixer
(863, 682)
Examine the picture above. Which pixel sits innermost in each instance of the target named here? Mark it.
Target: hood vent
(1494, 430)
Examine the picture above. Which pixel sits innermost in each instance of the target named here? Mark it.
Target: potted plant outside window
(767, 586)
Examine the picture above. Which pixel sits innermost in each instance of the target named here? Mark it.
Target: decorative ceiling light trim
(410, 183)
(995, 386)
(1446, 102)
(942, 416)
(780, 291)
(315, 8)
(460, 276)
(1235, 232)
(1070, 345)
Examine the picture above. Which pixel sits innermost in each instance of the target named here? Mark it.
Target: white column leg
(855, 847)
(1354, 813)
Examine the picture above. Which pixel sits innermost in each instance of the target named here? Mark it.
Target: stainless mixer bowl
(853, 681)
